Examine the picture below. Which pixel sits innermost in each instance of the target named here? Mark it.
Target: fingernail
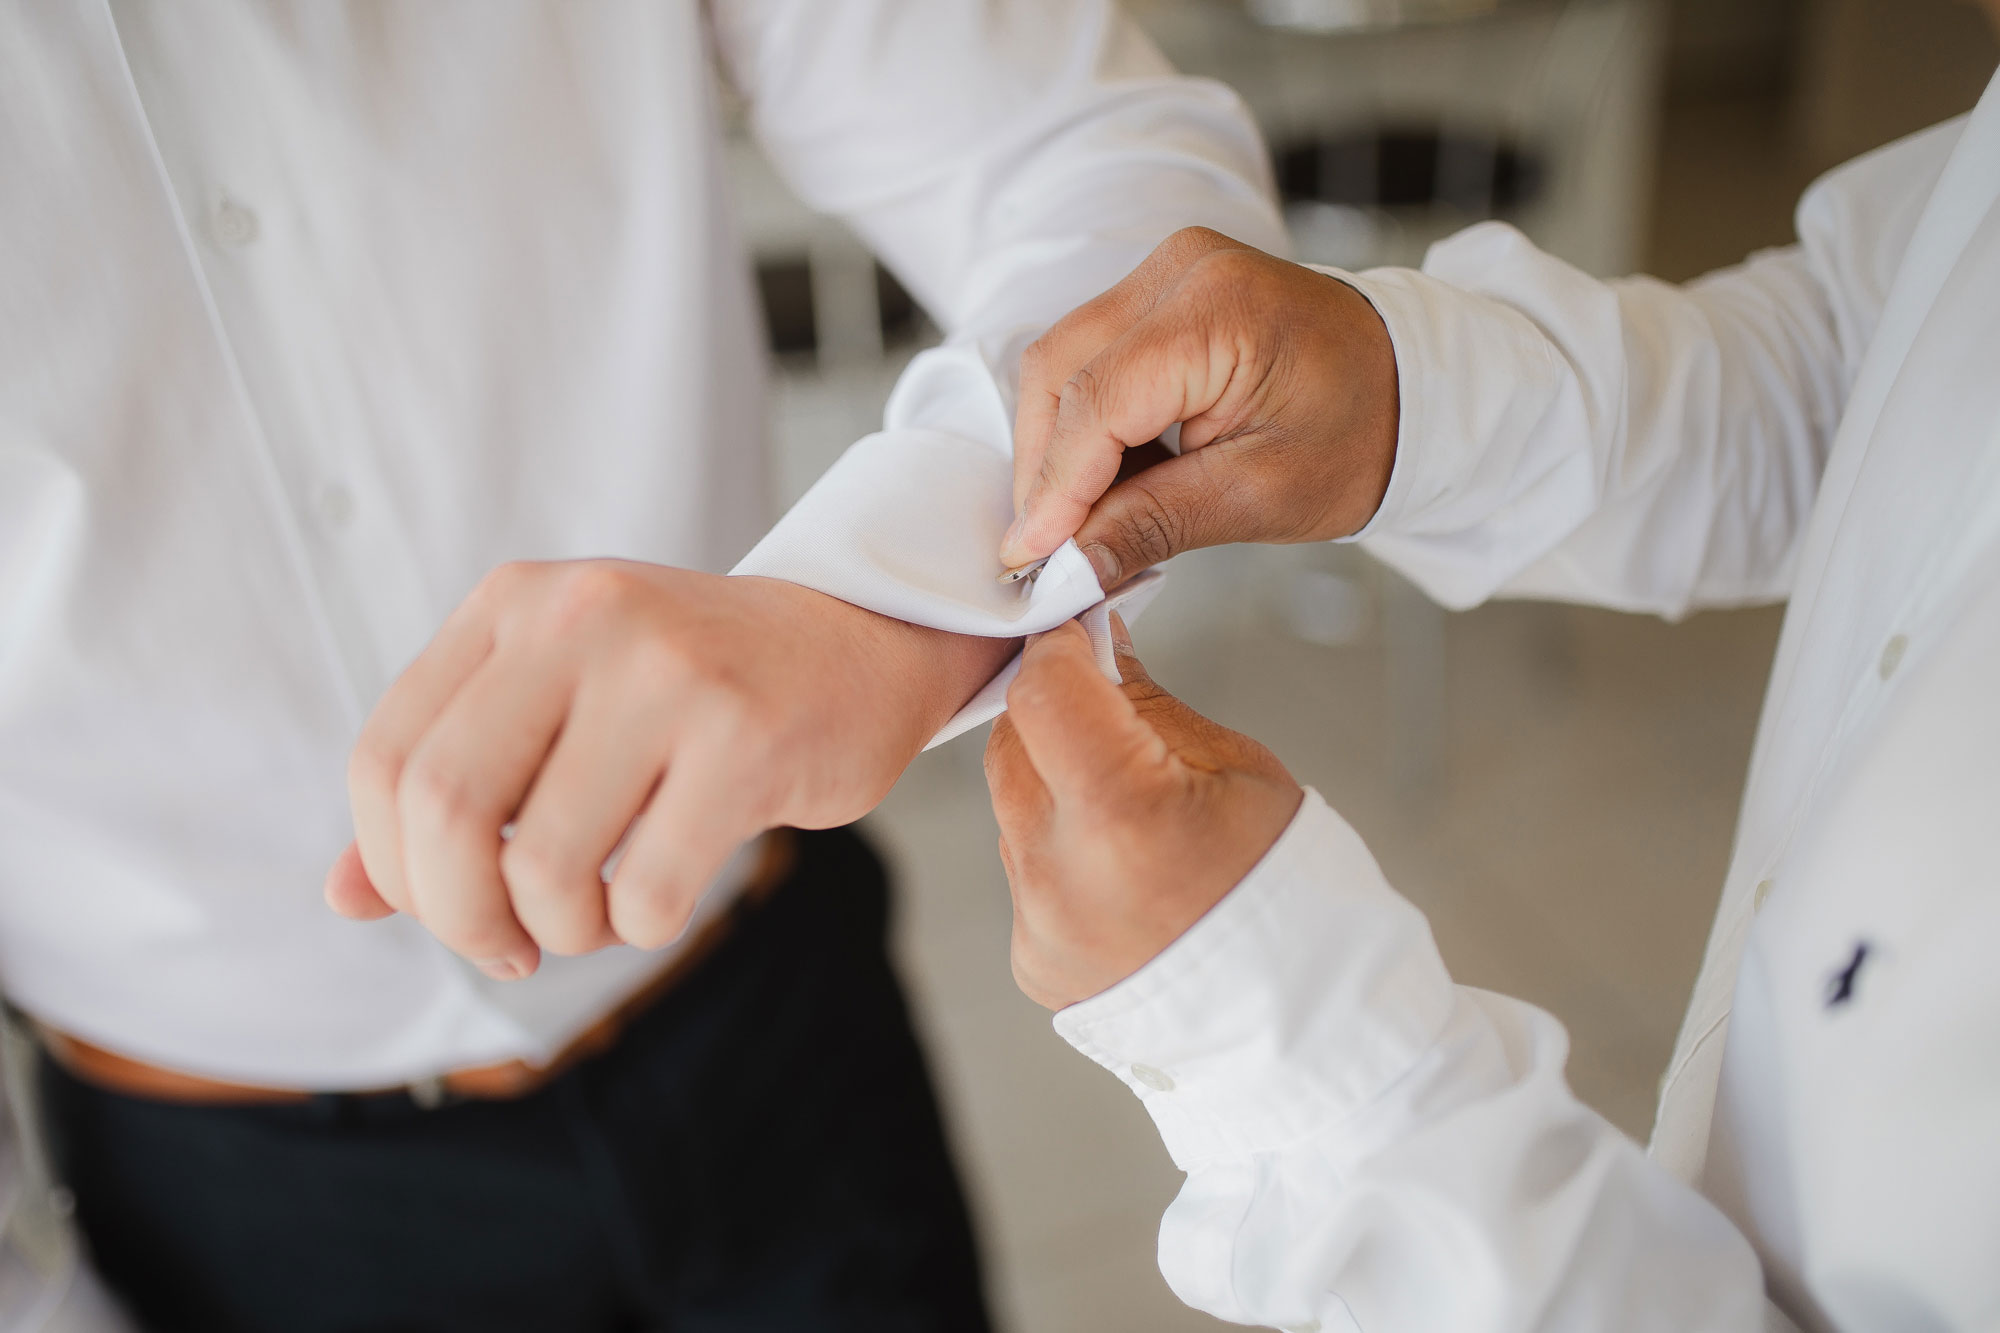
(501, 969)
(1013, 533)
(1103, 563)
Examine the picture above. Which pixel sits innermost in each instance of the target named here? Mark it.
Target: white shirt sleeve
(1369, 1146)
(1008, 161)
(1630, 443)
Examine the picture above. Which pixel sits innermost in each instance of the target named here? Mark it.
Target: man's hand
(1283, 380)
(1124, 815)
(581, 700)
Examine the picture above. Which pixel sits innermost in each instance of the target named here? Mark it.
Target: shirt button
(1892, 655)
(336, 506)
(1757, 898)
(1156, 1079)
(234, 224)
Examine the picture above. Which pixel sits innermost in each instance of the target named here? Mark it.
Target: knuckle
(1082, 391)
(1189, 244)
(569, 922)
(656, 658)
(532, 866)
(1153, 531)
(504, 582)
(1241, 284)
(736, 726)
(590, 590)
(1229, 265)
(436, 794)
(651, 916)
(558, 896)
(374, 766)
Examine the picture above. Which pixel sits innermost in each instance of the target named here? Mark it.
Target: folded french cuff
(908, 523)
(1293, 1004)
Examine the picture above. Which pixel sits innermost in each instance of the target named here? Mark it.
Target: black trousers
(760, 1151)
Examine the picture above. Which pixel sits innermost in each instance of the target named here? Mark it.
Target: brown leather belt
(501, 1082)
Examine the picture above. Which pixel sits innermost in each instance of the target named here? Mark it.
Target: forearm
(932, 673)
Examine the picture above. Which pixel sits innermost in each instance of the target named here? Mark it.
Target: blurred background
(1556, 787)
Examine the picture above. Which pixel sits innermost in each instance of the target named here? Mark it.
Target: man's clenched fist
(582, 700)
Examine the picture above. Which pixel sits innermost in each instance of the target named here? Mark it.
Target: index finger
(1051, 359)
(1164, 370)
(1075, 339)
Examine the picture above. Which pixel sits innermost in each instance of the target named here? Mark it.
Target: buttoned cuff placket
(1295, 1003)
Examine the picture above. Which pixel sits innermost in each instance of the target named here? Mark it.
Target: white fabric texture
(908, 522)
(1129, 600)
(1369, 1147)
(312, 315)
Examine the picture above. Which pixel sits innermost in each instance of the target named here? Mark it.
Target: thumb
(1131, 671)
(350, 892)
(1084, 737)
(1201, 498)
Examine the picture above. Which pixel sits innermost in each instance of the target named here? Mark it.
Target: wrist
(1368, 432)
(922, 675)
(940, 671)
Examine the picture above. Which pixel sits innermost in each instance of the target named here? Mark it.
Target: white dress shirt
(312, 314)
(1368, 1145)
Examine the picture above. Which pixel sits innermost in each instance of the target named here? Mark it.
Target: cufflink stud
(1027, 571)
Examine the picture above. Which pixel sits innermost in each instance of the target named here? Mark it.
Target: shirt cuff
(1131, 599)
(1297, 1001)
(908, 523)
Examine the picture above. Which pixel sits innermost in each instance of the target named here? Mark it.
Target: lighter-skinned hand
(1283, 382)
(1124, 815)
(581, 700)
